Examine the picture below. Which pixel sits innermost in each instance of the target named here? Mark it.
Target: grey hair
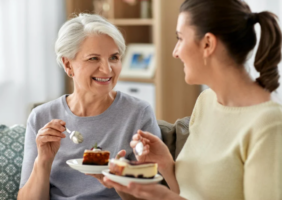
(75, 30)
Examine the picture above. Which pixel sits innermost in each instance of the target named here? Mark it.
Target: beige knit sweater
(232, 153)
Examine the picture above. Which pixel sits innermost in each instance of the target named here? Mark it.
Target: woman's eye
(178, 38)
(114, 58)
(94, 58)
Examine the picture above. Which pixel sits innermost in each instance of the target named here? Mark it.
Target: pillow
(11, 157)
(168, 136)
(182, 133)
(175, 135)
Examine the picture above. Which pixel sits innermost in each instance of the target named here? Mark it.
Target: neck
(234, 87)
(88, 104)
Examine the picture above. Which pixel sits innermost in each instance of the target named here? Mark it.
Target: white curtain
(274, 6)
(29, 73)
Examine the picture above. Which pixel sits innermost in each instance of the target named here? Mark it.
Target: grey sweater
(112, 130)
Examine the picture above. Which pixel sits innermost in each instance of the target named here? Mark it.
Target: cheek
(191, 57)
(117, 69)
(187, 53)
(82, 68)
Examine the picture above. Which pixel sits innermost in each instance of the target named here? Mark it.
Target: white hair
(75, 30)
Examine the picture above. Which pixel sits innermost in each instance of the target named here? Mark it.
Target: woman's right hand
(154, 149)
(48, 140)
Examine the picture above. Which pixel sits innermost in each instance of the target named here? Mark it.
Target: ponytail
(269, 51)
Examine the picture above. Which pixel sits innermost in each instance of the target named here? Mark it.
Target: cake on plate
(135, 169)
(96, 156)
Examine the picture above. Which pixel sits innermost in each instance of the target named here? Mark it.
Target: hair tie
(252, 18)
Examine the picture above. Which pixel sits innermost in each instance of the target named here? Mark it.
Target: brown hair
(233, 23)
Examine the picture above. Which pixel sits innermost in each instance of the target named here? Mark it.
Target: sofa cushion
(11, 157)
(168, 135)
(175, 135)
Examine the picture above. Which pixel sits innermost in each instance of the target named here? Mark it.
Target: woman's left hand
(150, 191)
(100, 177)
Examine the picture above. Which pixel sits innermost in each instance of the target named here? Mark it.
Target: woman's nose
(105, 67)
(175, 53)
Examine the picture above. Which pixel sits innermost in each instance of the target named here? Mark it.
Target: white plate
(126, 180)
(86, 169)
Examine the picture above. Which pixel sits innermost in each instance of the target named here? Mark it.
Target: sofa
(11, 157)
(12, 146)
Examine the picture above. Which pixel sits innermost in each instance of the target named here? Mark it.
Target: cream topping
(92, 151)
(125, 162)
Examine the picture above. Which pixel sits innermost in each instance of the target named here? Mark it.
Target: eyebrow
(115, 54)
(94, 54)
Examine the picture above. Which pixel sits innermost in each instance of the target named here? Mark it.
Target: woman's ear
(67, 66)
(209, 44)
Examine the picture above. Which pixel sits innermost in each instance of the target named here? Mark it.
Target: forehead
(98, 41)
(182, 22)
(183, 26)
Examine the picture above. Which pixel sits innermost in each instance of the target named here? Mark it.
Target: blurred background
(29, 74)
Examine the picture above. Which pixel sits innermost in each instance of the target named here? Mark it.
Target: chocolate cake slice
(96, 156)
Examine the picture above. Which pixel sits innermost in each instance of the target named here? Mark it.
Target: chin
(191, 81)
(101, 91)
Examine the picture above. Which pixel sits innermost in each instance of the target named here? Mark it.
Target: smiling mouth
(102, 79)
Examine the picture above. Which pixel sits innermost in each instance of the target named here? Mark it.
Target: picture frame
(139, 61)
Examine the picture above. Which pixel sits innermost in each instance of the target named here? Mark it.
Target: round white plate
(126, 180)
(86, 169)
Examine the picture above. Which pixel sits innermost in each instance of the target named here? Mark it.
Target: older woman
(90, 50)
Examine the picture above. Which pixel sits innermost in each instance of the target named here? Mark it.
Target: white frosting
(139, 148)
(76, 137)
(123, 159)
(124, 162)
(91, 151)
(96, 150)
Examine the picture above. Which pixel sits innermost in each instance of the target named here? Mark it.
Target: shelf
(137, 80)
(132, 22)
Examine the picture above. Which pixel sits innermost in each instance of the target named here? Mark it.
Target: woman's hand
(48, 140)
(150, 191)
(154, 149)
(100, 177)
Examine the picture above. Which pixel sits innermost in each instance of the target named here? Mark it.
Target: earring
(70, 75)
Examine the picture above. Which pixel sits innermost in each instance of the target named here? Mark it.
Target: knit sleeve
(30, 149)
(263, 167)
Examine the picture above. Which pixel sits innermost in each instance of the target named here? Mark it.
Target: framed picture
(139, 61)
